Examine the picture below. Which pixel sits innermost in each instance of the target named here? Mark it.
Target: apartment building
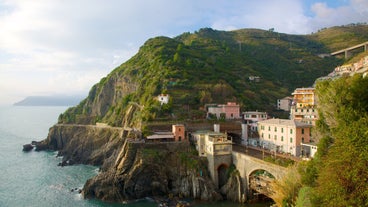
(284, 135)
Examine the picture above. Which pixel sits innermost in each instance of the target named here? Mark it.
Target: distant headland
(49, 101)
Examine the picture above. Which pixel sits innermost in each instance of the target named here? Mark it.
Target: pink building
(179, 132)
(229, 111)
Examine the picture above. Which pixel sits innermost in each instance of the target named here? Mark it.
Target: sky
(64, 47)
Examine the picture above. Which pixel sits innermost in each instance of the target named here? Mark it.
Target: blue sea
(33, 178)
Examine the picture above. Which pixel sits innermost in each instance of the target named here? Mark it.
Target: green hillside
(209, 66)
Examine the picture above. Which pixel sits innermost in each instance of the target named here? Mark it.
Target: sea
(34, 178)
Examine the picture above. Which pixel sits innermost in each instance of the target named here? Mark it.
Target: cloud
(324, 16)
(57, 46)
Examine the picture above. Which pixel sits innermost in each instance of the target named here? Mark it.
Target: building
(231, 110)
(212, 143)
(177, 134)
(284, 135)
(163, 98)
(304, 97)
(250, 127)
(304, 106)
(309, 149)
(161, 137)
(284, 103)
(217, 148)
(178, 131)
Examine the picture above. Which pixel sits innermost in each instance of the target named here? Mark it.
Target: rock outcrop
(83, 144)
(131, 169)
(233, 189)
(161, 169)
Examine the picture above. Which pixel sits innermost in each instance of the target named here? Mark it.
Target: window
(269, 128)
(291, 140)
(269, 136)
(275, 129)
(282, 138)
(291, 131)
(262, 135)
(302, 139)
(282, 130)
(296, 110)
(303, 131)
(275, 137)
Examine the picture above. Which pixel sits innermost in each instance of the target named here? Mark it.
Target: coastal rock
(27, 147)
(233, 188)
(152, 170)
(83, 144)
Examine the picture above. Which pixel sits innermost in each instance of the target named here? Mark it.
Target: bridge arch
(246, 165)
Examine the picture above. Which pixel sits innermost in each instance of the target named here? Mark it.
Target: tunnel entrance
(222, 175)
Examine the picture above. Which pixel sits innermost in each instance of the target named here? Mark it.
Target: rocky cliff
(142, 170)
(132, 169)
(83, 144)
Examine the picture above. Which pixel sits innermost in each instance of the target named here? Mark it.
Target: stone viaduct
(247, 167)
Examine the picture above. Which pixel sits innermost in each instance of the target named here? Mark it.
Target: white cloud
(57, 46)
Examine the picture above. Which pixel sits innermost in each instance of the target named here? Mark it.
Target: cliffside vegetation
(338, 176)
(210, 66)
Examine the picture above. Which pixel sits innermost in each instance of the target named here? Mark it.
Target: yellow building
(304, 106)
(304, 97)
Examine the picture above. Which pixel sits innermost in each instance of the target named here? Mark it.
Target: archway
(260, 185)
(222, 172)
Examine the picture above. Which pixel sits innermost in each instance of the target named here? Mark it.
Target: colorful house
(304, 106)
(231, 110)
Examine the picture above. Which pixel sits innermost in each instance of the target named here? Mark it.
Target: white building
(250, 130)
(163, 98)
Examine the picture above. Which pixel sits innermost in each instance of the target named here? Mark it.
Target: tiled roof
(285, 122)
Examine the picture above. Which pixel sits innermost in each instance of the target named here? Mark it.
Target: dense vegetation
(209, 66)
(338, 174)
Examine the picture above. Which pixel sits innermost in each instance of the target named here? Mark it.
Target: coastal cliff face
(142, 170)
(130, 169)
(83, 144)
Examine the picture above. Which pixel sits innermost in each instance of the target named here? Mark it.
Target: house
(231, 110)
(250, 127)
(304, 97)
(284, 135)
(284, 103)
(304, 106)
(212, 143)
(177, 134)
(309, 149)
(163, 98)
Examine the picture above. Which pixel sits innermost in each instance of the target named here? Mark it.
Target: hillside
(209, 66)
